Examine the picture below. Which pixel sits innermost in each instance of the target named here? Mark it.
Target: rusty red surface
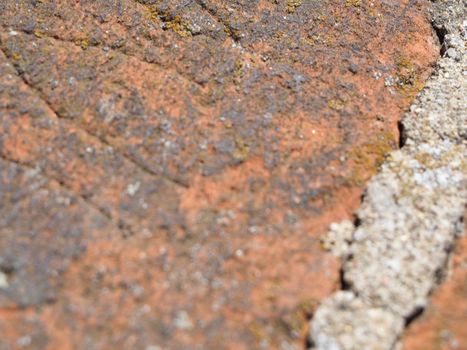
(167, 167)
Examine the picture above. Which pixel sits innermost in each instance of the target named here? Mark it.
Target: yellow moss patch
(408, 77)
(179, 26)
(336, 104)
(84, 44)
(292, 5)
(174, 23)
(38, 34)
(241, 149)
(239, 65)
(297, 319)
(353, 3)
(370, 156)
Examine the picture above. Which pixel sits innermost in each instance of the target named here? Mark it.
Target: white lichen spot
(183, 321)
(133, 188)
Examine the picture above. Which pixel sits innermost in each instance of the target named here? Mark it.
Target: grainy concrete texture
(411, 214)
(442, 324)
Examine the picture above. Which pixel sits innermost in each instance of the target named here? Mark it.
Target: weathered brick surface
(167, 167)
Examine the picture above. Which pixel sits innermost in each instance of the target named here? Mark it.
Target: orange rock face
(167, 167)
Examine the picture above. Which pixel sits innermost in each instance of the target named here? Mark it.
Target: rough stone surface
(168, 166)
(339, 313)
(339, 238)
(412, 211)
(439, 113)
(442, 325)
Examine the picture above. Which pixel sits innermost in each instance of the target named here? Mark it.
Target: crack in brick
(125, 229)
(102, 140)
(231, 32)
(30, 191)
(60, 39)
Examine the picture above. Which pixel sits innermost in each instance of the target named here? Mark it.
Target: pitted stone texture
(440, 111)
(339, 238)
(409, 221)
(345, 322)
(412, 210)
(442, 324)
